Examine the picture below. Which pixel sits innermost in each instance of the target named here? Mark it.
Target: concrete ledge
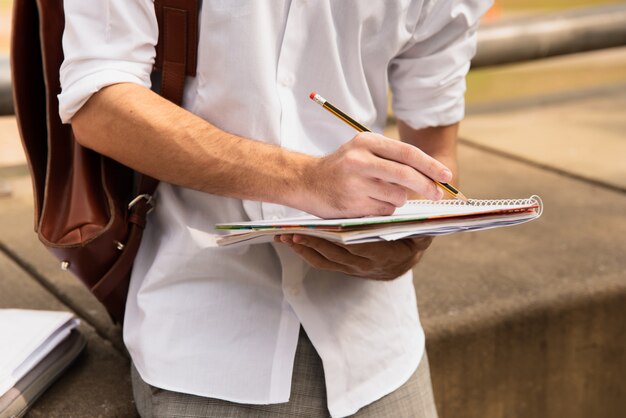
(521, 322)
(564, 361)
(97, 384)
(578, 137)
(529, 321)
(20, 242)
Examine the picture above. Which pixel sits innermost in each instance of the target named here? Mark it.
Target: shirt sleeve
(105, 42)
(427, 77)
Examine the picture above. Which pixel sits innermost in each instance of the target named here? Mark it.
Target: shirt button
(287, 80)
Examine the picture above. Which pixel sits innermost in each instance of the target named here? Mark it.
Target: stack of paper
(417, 217)
(28, 336)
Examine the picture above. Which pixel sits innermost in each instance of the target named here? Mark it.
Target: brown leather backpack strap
(178, 45)
(28, 73)
(176, 58)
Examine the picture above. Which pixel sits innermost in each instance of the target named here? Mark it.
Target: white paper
(27, 336)
(444, 218)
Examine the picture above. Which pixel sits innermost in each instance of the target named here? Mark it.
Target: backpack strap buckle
(149, 201)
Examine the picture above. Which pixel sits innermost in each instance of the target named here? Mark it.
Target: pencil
(356, 125)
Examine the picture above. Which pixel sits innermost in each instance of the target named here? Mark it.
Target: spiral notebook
(415, 218)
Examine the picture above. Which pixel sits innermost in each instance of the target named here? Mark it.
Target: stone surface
(584, 137)
(97, 384)
(18, 238)
(529, 321)
(521, 322)
(12, 153)
(576, 247)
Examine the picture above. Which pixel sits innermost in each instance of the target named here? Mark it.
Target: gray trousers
(308, 396)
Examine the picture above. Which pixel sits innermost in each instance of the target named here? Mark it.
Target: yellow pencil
(356, 125)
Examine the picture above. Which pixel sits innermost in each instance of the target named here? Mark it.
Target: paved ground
(98, 383)
(582, 141)
(467, 281)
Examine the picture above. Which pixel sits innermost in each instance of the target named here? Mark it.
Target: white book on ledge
(28, 336)
(415, 218)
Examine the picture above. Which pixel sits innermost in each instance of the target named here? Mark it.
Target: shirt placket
(286, 77)
(285, 81)
(287, 64)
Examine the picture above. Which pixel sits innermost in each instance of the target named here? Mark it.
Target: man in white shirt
(214, 331)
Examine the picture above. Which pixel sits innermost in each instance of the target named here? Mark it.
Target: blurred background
(544, 76)
(523, 322)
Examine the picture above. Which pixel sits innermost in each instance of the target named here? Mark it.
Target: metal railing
(537, 37)
(509, 41)
(6, 97)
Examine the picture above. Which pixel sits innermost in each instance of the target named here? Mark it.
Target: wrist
(298, 181)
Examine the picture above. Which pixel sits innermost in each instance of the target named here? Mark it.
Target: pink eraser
(312, 95)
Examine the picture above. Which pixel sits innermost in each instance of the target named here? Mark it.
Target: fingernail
(447, 174)
(299, 239)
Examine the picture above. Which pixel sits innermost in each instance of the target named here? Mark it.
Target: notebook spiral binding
(533, 200)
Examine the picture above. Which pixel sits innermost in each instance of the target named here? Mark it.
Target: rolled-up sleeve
(105, 42)
(427, 78)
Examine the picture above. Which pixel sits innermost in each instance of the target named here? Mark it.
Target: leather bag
(90, 211)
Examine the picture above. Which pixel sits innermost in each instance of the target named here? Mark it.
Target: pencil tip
(462, 197)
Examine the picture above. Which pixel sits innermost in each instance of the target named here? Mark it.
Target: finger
(421, 243)
(406, 154)
(375, 207)
(395, 177)
(284, 238)
(333, 251)
(381, 249)
(317, 260)
(386, 192)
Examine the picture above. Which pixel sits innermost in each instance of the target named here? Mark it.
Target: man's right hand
(369, 175)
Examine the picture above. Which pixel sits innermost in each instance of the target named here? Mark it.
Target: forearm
(365, 176)
(438, 142)
(140, 129)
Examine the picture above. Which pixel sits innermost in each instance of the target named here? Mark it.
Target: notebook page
(390, 230)
(33, 334)
(413, 209)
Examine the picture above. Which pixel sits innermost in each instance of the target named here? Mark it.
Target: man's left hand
(376, 261)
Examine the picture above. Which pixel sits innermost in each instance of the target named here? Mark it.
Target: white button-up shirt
(224, 322)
